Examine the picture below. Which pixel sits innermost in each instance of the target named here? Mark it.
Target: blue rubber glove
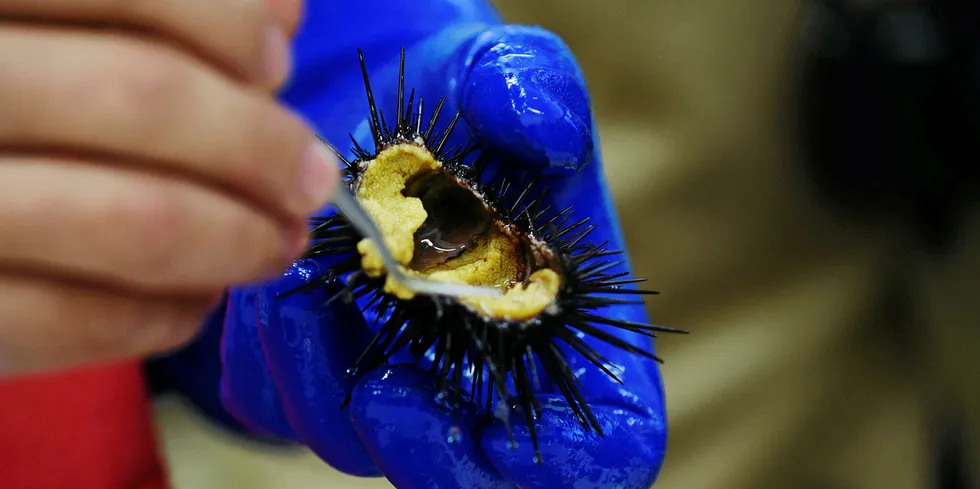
(284, 360)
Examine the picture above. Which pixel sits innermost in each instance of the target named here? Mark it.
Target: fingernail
(276, 60)
(319, 175)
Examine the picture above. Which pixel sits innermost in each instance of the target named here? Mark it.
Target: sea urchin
(446, 218)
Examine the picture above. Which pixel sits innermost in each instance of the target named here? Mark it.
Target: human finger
(47, 324)
(309, 344)
(246, 37)
(132, 229)
(247, 390)
(525, 97)
(415, 437)
(147, 103)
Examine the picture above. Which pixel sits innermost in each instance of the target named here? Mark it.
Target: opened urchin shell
(459, 338)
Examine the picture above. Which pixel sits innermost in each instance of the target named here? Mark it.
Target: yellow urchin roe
(522, 302)
(495, 260)
(397, 216)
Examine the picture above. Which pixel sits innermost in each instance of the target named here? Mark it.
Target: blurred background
(829, 345)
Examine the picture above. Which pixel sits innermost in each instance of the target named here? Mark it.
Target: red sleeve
(85, 429)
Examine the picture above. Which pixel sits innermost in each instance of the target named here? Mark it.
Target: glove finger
(336, 103)
(635, 372)
(247, 390)
(309, 347)
(629, 456)
(525, 97)
(590, 198)
(415, 437)
(518, 76)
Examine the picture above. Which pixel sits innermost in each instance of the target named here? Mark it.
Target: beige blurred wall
(793, 376)
(202, 456)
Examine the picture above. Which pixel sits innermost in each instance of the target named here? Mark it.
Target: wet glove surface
(284, 360)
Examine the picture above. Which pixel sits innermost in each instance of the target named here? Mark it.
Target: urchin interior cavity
(440, 229)
(455, 221)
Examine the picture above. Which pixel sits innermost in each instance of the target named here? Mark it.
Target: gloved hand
(284, 359)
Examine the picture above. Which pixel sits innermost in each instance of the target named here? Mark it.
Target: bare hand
(144, 167)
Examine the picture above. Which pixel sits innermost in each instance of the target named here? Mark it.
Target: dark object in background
(890, 118)
(890, 106)
(952, 468)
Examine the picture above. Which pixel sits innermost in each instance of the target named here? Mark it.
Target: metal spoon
(348, 205)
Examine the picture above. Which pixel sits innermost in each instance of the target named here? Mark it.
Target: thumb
(525, 97)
